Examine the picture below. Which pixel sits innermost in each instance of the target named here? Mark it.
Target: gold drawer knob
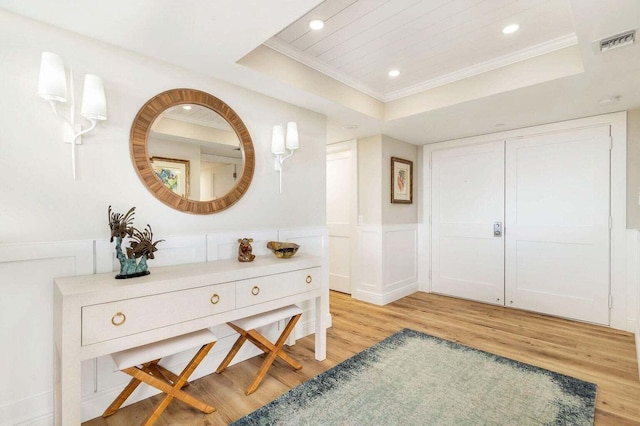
(118, 319)
(309, 279)
(215, 298)
(255, 290)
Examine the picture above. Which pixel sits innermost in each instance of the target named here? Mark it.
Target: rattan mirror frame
(141, 128)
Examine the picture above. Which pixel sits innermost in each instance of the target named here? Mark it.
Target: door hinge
(429, 219)
(610, 301)
(610, 143)
(429, 274)
(610, 222)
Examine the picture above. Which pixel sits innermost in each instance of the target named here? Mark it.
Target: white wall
(386, 266)
(40, 200)
(633, 169)
(51, 225)
(370, 180)
(398, 213)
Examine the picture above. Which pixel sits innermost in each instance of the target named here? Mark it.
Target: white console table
(95, 315)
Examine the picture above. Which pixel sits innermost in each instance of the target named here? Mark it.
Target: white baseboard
(382, 299)
(34, 410)
(46, 420)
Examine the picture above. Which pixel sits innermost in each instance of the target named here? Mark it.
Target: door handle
(497, 229)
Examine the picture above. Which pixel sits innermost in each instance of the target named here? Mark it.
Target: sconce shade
(52, 84)
(94, 103)
(277, 140)
(292, 136)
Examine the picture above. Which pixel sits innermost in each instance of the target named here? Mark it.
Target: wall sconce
(279, 145)
(52, 87)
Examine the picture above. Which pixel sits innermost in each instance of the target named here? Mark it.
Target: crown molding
(297, 55)
(502, 61)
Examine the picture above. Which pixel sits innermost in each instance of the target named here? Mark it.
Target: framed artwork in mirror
(401, 181)
(173, 173)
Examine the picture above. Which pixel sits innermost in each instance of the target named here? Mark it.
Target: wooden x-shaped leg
(160, 378)
(272, 351)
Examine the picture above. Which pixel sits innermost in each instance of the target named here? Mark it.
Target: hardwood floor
(597, 354)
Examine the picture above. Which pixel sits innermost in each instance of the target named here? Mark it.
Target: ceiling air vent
(618, 40)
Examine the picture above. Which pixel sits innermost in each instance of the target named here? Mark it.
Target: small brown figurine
(244, 251)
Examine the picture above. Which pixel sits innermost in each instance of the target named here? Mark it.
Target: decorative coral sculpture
(141, 247)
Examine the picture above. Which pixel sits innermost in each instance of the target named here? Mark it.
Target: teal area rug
(411, 378)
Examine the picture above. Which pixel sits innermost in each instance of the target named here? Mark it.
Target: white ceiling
(460, 75)
(430, 42)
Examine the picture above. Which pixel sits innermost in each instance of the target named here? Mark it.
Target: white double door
(525, 223)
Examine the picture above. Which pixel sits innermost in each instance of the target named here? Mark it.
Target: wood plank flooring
(597, 354)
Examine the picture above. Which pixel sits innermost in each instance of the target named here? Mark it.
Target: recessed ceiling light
(316, 24)
(350, 126)
(509, 29)
(394, 73)
(187, 107)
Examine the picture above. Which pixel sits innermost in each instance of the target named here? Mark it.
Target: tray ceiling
(430, 42)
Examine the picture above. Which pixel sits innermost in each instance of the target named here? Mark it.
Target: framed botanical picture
(173, 173)
(401, 181)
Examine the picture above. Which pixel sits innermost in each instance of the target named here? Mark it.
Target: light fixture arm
(74, 136)
(52, 87)
(279, 163)
(281, 144)
(281, 157)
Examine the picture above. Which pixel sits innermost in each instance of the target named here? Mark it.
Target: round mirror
(192, 151)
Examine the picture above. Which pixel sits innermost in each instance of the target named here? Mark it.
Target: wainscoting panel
(180, 249)
(225, 245)
(424, 283)
(174, 250)
(400, 260)
(368, 274)
(26, 312)
(633, 280)
(311, 240)
(387, 265)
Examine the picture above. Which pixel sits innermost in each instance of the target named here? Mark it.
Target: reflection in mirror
(195, 152)
(199, 160)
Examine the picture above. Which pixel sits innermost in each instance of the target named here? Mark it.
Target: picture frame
(173, 173)
(401, 181)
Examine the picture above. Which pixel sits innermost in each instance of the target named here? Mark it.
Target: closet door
(557, 230)
(342, 207)
(467, 201)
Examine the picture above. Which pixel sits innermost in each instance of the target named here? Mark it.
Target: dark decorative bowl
(283, 250)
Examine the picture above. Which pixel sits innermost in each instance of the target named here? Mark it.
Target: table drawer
(270, 287)
(125, 317)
